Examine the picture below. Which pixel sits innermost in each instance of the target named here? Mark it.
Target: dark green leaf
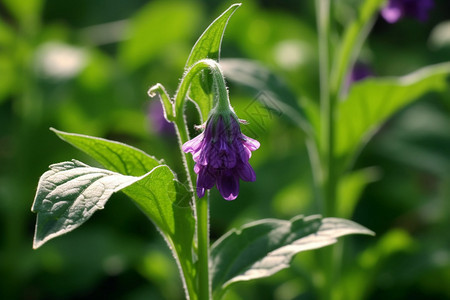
(421, 131)
(115, 156)
(207, 46)
(262, 248)
(166, 202)
(373, 101)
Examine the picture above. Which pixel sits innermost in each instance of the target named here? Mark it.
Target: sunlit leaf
(207, 46)
(373, 101)
(262, 248)
(151, 186)
(69, 194)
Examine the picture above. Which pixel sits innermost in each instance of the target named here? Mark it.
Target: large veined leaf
(114, 156)
(207, 46)
(264, 247)
(69, 193)
(372, 101)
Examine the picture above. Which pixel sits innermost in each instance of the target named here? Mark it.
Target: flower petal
(228, 185)
(200, 192)
(194, 144)
(246, 172)
(206, 178)
(221, 153)
(197, 168)
(250, 143)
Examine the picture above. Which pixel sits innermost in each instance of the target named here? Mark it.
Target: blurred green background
(85, 66)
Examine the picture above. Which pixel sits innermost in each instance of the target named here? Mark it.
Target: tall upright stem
(327, 141)
(327, 109)
(201, 205)
(203, 247)
(331, 83)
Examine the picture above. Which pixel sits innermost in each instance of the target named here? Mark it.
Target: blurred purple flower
(221, 153)
(397, 9)
(159, 124)
(359, 72)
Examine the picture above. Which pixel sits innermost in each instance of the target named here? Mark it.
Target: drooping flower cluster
(221, 153)
(397, 9)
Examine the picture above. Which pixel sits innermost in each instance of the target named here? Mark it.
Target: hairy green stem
(203, 247)
(189, 283)
(201, 205)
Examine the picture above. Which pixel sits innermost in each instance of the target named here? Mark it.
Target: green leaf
(115, 156)
(152, 187)
(269, 89)
(69, 194)
(262, 248)
(421, 131)
(166, 202)
(373, 101)
(207, 46)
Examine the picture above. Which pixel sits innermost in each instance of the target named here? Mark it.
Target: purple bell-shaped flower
(221, 154)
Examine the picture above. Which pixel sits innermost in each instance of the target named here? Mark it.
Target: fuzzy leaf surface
(68, 194)
(152, 187)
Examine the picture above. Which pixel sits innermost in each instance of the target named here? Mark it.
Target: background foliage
(85, 67)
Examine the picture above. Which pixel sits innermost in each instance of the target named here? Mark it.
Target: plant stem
(203, 247)
(327, 110)
(183, 136)
(200, 205)
(331, 83)
(327, 141)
